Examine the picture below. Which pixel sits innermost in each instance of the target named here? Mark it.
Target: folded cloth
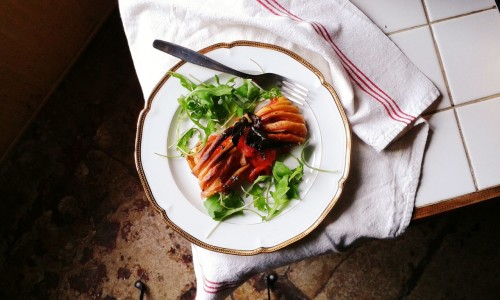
(382, 92)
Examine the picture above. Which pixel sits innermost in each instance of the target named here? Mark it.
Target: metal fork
(292, 90)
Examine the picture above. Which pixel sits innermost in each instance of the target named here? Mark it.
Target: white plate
(174, 191)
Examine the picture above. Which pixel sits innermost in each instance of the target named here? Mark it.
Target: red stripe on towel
(389, 100)
(214, 287)
(267, 7)
(358, 77)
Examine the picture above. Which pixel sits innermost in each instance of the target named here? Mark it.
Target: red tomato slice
(257, 172)
(264, 161)
(262, 164)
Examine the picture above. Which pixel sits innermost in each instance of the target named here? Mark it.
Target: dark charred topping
(256, 136)
(248, 118)
(238, 129)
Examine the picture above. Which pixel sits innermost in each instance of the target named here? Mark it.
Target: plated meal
(237, 169)
(242, 133)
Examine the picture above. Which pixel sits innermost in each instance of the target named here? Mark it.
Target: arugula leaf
(213, 90)
(272, 93)
(294, 182)
(223, 206)
(213, 206)
(248, 90)
(184, 141)
(297, 173)
(261, 178)
(240, 111)
(281, 188)
(259, 198)
(286, 186)
(232, 200)
(280, 170)
(186, 83)
(210, 128)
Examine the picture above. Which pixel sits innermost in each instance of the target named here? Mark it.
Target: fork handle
(195, 58)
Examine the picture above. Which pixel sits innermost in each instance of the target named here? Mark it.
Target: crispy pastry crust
(283, 121)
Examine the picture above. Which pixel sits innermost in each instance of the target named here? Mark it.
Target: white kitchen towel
(382, 92)
(376, 203)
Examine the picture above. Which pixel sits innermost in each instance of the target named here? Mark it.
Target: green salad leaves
(214, 105)
(286, 188)
(270, 195)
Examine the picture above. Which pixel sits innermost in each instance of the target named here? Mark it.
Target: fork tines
(294, 92)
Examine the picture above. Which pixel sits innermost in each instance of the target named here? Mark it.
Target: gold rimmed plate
(174, 191)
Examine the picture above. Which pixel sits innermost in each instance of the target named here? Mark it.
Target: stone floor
(77, 225)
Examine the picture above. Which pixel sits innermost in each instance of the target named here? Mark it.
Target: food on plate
(249, 148)
(243, 134)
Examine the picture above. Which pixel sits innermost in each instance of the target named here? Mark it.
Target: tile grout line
(479, 100)
(438, 54)
(475, 101)
(407, 29)
(445, 77)
(467, 155)
(462, 15)
(429, 23)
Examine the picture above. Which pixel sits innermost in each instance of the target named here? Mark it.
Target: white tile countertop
(456, 44)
